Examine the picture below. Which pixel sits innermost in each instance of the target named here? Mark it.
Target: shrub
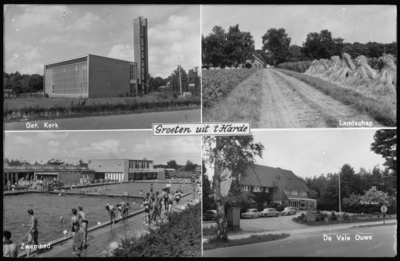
(217, 84)
(180, 237)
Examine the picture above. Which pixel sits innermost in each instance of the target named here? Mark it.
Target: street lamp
(180, 83)
(340, 205)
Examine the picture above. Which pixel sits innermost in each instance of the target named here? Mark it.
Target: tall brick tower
(141, 53)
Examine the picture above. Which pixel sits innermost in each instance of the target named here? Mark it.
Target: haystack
(323, 66)
(345, 69)
(335, 65)
(313, 67)
(386, 80)
(363, 75)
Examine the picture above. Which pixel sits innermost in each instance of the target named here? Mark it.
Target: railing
(142, 170)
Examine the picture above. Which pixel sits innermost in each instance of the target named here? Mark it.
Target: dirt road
(290, 103)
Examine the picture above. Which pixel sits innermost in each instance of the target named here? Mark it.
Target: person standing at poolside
(83, 222)
(9, 248)
(78, 241)
(33, 232)
(111, 210)
(74, 221)
(141, 193)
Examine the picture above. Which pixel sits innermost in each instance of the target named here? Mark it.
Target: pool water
(48, 208)
(133, 189)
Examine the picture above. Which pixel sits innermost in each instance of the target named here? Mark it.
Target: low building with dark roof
(283, 186)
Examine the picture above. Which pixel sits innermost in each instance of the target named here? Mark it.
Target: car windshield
(249, 210)
(287, 208)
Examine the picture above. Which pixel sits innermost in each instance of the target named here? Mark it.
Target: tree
(172, 164)
(295, 54)
(190, 166)
(239, 46)
(356, 49)
(322, 45)
(385, 144)
(234, 153)
(213, 47)
(277, 42)
(374, 195)
(208, 202)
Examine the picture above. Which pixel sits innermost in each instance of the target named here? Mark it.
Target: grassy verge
(378, 225)
(214, 243)
(87, 108)
(241, 105)
(212, 230)
(180, 237)
(381, 112)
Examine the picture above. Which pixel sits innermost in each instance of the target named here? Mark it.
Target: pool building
(93, 76)
(111, 169)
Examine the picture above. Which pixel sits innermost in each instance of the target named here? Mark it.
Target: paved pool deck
(99, 239)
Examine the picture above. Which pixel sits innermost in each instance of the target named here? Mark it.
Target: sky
(75, 145)
(35, 35)
(310, 152)
(357, 23)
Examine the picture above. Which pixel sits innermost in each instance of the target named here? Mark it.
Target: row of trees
(231, 48)
(20, 162)
(23, 83)
(189, 166)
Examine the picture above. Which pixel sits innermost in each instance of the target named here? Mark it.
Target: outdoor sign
(383, 210)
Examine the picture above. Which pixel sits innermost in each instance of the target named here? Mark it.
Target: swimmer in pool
(83, 222)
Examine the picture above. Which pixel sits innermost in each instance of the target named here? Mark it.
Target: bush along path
(179, 237)
(83, 110)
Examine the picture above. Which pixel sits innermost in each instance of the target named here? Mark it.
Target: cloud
(36, 68)
(102, 148)
(53, 143)
(22, 140)
(86, 22)
(51, 16)
(32, 55)
(120, 51)
(53, 135)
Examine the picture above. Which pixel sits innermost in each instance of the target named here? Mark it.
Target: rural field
(278, 98)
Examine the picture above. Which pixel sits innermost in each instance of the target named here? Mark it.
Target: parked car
(269, 212)
(210, 215)
(251, 213)
(289, 211)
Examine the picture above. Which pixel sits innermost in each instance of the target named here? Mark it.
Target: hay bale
(313, 67)
(335, 65)
(323, 66)
(363, 75)
(386, 80)
(345, 69)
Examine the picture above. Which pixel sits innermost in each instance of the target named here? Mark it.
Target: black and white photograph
(303, 193)
(85, 67)
(300, 66)
(112, 194)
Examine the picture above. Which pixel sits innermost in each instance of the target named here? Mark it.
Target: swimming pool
(48, 208)
(133, 189)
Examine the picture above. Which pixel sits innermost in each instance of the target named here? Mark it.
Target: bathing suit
(73, 225)
(34, 235)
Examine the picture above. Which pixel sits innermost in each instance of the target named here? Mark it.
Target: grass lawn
(380, 111)
(213, 243)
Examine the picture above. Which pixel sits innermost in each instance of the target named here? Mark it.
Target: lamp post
(180, 83)
(340, 205)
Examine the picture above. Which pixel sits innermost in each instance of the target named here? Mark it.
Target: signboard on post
(383, 210)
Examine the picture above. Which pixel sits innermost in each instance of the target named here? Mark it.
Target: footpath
(99, 239)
